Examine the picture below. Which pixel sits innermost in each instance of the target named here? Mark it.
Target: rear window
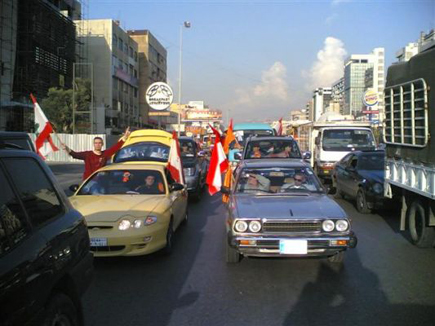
(287, 148)
(144, 151)
(19, 143)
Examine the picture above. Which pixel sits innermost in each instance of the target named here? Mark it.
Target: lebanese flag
(218, 165)
(279, 130)
(174, 160)
(43, 129)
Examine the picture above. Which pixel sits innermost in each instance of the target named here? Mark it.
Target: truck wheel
(361, 203)
(233, 256)
(337, 258)
(422, 235)
(60, 310)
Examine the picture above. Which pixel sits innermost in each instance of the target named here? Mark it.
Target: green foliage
(58, 105)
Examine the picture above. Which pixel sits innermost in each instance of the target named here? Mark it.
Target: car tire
(232, 255)
(169, 238)
(361, 203)
(60, 310)
(337, 258)
(422, 235)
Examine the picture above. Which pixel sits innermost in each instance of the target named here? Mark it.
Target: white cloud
(329, 65)
(271, 93)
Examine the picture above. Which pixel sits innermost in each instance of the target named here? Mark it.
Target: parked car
(45, 262)
(278, 208)
(195, 166)
(360, 175)
(16, 140)
(131, 208)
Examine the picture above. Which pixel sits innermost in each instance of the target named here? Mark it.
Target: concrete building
(152, 68)
(355, 81)
(321, 99)
(424, 42)
(114, 56)
(338, 94)
(37, 52)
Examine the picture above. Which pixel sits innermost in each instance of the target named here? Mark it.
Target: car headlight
(378, 188)
(137, 224)
(189, 171)
(328, 225)
(341, 225)
(150, 220)
(255, 226)
(241, 226)
(124, 225)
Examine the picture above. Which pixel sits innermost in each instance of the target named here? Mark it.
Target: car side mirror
(306, 155)
(73, 188)
(238, 156)
(225, 190)
(176, 187)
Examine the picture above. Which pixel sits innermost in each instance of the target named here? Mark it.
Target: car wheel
(422, 235)
(337, 258)
(60, 311)
(361, 203)
(169, 238)
(232, 255)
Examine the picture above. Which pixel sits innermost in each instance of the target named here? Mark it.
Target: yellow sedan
(131, 208)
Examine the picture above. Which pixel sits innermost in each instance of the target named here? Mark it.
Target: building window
(135, 73)
(126, 48)
(114, 41)
(135, 56)
(135, 92)
(131, 51)
(120, 44)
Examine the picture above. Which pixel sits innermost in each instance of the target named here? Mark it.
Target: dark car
(360, 175)
(195, 166)
(278, 208)
(16, 140)
(45, 262)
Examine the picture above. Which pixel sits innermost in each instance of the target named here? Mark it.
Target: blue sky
(258, 60)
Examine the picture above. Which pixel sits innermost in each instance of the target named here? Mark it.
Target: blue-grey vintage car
(278, 208)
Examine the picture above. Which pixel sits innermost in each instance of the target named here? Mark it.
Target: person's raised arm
(112, 150)
(76, 155)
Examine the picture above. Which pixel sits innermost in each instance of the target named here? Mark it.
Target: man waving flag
(43, 129)
(279, 128)
(218, 165)
(174, 160)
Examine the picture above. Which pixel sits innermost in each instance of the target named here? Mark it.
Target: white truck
(330, 141)
(410, 152)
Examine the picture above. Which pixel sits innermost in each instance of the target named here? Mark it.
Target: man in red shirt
(96, 158)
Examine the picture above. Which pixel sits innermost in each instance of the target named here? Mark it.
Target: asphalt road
(384, 281)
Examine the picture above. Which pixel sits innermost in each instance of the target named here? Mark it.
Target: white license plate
(98, 242)
(293, 247)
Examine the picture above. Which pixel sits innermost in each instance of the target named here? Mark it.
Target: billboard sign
(370, 98)
(159, 96)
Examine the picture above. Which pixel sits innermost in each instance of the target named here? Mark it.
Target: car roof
(379, 152)
(186, 138)
(136, 165)
(17, 153)
(252, 126)
(149, 135)
(13, 134)
(268, 138)
(273, 163)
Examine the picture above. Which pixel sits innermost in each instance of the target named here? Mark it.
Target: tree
(58, 105)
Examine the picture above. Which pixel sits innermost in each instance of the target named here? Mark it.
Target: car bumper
(269, 246)
(324, 173)
(137, 243)
(192, 183)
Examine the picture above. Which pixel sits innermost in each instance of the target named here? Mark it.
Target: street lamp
(186, 24)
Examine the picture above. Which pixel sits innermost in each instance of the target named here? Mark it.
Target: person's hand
(64, 147)
(126, 134)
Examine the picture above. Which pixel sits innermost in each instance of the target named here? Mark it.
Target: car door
(340, 170)
(23, 275)
(352, 176)
(346, 175)
(178, 199)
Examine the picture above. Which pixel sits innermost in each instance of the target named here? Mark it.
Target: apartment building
(113, 55)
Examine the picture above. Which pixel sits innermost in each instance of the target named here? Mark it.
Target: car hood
(373, 175)
(287, 206)
(110, 208)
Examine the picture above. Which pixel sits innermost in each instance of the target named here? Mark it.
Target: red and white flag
(279, 128)
(174, 160)
(43, 129)
(218, 165)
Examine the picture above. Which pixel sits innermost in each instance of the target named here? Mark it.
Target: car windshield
(278, 180)
(243, 135)
(121, 182)
(287, 148)
(371, 162)
(187, 148)
(145, 151)
(347, 139)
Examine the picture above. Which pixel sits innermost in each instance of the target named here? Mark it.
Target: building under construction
(38, 50)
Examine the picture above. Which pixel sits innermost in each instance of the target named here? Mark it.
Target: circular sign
(370, 98)
(159, 96)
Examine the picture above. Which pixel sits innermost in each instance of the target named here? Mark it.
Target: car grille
(100, 227)
(107, 248)
(278, 227)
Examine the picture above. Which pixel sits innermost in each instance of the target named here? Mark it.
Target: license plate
(326, 171)
(293, 247)
(98, 242)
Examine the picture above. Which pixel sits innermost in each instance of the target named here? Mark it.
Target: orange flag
(229, 137)
(227, 183)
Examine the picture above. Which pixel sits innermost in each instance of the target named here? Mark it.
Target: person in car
(150, 186)
(256, 153)
(257, 182)
(97, 158)
(285, 153)
(299, 183)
